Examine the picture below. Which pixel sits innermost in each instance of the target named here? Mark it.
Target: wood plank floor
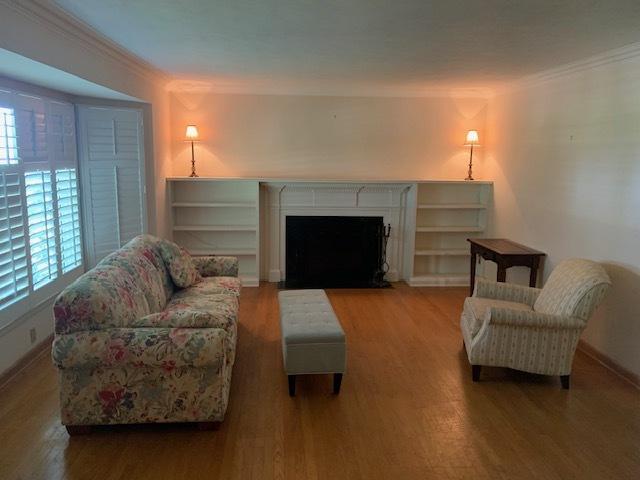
(408, 409)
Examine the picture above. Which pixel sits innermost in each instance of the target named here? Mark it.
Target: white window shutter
(14, 269)
(112, 170)
(32, 129)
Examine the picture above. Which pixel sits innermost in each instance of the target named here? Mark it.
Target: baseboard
(25, 361)
(608, 362)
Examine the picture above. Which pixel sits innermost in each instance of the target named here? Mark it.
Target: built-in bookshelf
(218, 217)
(446, 214)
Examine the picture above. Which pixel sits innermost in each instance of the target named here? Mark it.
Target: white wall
(321, 137)
(565, 158)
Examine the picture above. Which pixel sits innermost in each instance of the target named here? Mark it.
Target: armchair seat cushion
(211, 286)
(476, 309)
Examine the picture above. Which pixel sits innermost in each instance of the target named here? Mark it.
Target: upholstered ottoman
(312, 339)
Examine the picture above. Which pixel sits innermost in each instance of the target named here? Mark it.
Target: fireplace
(334, 251)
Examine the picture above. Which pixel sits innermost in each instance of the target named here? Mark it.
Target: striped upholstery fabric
(528, 329)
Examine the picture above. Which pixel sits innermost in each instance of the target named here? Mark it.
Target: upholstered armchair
(530, 329)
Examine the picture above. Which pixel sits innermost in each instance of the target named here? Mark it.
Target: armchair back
(574, 288)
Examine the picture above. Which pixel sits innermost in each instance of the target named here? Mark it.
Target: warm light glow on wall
(472, 137)
(192, 132)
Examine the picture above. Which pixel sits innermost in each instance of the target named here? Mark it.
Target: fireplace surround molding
(282, 199)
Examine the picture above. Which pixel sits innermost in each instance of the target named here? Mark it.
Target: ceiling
(370, 44)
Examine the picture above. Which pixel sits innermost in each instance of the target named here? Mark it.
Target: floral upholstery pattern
(180, 264)
(160, 347)
(212, 286)
(502, 324)
(131, 348)
(217, 266)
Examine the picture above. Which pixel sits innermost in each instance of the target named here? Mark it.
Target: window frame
(51, 161)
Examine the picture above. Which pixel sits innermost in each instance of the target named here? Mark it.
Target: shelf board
(214, 228)
(450, 229)
(224, 251)
(443, 251)
(439, 279)
(452, 206)
(213, 204)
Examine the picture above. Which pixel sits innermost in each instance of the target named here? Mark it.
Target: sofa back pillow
(179, 263)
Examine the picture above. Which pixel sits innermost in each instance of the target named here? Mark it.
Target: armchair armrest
(216, 266)
(525, 318)
(156, 347)
(509, 292)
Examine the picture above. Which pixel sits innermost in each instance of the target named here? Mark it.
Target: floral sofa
(132, 346)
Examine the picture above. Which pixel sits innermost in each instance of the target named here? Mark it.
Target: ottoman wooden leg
(292, 385)
(337, 381)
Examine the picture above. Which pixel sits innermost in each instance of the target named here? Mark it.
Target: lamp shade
(191, 133)
(472, 137)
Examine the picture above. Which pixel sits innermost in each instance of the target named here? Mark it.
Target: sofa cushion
(211, 286)
(104, 297)
(196, 311)
(475, 310)
(569, 283)
(181, 268)
(143, 272)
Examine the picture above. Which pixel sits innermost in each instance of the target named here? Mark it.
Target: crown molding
(51, 16)
(611, 56)
(313, 89)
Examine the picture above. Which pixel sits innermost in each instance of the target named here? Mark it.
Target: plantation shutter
(112, 169)
(14, 271)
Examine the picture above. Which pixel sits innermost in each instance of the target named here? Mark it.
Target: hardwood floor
(407, 409)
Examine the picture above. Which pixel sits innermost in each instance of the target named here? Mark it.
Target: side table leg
(473, 272)
(502, 273)
(533, 275)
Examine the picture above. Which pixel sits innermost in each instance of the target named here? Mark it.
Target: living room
(380, 239)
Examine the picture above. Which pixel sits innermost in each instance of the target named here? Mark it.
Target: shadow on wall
(615, 326)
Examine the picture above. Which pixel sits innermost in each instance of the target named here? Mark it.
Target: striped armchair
(530, 329)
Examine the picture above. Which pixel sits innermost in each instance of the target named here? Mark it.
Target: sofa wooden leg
(475, 372)
(292, 385)
(75, 430)
(209, 425)
(337, 381)
(565, 380)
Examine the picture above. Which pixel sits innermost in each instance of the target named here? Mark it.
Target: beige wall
(565, 157)
(325, 137)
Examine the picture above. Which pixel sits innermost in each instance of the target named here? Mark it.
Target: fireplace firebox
(335, 251)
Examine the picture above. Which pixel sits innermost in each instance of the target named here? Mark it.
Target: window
(40, 244)
(8, 140)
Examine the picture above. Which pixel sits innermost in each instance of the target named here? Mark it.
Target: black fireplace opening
(334, 252)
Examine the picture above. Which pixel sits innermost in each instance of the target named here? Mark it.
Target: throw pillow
(179, 263)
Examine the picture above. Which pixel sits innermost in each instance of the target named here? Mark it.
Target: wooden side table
(505, 254)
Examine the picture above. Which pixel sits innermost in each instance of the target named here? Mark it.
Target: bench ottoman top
(306, 316)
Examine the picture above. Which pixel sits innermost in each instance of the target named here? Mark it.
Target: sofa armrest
(216, 266)
(525, 318)
(157, 347)
(509, 292)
